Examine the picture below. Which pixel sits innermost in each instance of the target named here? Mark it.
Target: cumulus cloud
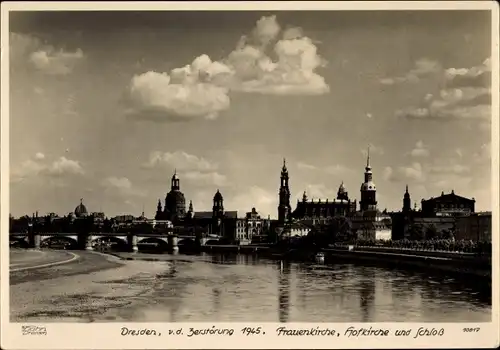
(420, 150)
(466, 95)
(423, 67)
(154, 96)
(189, 166)
(181, 161)
(38, 166)
(318, 191)
(413, 172)
(65, 166)
(264, 201)
(121, 186)
(388, 173)
(201, 88)
(28, 49)
(210, 178)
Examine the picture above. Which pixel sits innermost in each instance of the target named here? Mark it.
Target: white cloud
(455, 169)
(210, 178)
(388, 174)
(413, 172)
(196, 169)
(121, 186)
(466, 96)
(265, 202)
(181, 161)
(64, 166)
(420, 150)
(318, 191)
(200, 89)
(305, 166)
(37, 167)
(154, 96)
(423, 67)
(55, 62)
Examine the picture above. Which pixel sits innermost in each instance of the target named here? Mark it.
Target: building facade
(475, 227)
(448, 205)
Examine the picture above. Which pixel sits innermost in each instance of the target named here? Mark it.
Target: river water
(245, 288)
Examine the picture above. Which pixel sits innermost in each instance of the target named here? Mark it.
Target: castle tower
(368, 188)
(406, 201)
(218, 207)
(342, 193)
(284, 208)
(218, 214)
(190, 212)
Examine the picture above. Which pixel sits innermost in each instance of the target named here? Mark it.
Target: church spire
(406, 201)
(368, 167)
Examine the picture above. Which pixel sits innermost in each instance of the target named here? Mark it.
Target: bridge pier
(132, 241)
(34, 240)
(88, 242)
(173, 243)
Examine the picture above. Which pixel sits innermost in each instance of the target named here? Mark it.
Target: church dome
(175, 199)
(81, 210)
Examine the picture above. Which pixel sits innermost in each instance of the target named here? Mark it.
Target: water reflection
(246, 288)
(366, 292)
(283, 291)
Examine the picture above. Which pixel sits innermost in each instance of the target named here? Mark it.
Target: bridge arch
(109, 241)
(59, 242)
(212, 242)
(186, 241)
(152, 244)
(18, 242)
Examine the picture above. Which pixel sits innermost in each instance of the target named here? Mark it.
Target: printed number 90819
(470, 330)
(250, 330)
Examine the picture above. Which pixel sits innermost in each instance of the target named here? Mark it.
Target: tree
(416, 232)
(431, 231)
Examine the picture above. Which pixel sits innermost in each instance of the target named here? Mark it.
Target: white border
(107, 335)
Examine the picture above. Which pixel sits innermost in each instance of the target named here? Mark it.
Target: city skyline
(93, 116)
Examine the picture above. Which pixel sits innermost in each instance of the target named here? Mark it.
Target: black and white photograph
(288, 166)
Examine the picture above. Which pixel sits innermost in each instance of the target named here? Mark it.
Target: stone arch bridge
(87, 240)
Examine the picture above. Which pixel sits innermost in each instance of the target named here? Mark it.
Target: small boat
(320, 258)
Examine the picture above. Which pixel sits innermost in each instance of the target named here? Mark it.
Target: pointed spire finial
(406, 188)
(368, 157)
(81, 200)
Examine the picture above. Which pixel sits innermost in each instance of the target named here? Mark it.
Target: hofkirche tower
(284, 208)
(368, 189)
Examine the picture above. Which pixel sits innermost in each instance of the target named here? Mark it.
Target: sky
(105, 105)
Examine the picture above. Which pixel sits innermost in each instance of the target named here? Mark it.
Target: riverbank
(84, 263)
(459, 265)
